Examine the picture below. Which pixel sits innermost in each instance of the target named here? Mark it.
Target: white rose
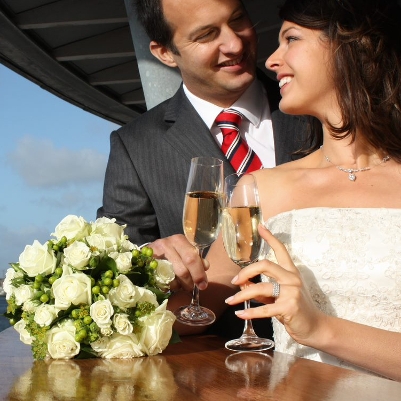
(108, 228)
(36, 259)
(72, 227)
(164, 274)
(126, 295)
(157, 330)
(61, 342)
(106, 330)
(77, 254)
(100, 345)
(147, 296)
(101, 312)
(121, 346)
(123, 261)
(45, 314)
(122, 323)
(127, 245)
(23, 293)
(24, 335)
(70, 289)
(30, 305)
(11, 274)
(102, 243)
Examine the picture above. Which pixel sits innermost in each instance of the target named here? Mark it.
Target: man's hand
(189, 267)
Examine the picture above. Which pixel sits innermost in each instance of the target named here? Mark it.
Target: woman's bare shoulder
(286, 171)
(281, 187)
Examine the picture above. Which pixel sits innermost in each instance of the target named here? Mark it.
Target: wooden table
(199, 368)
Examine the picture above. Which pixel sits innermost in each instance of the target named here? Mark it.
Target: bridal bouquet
(90, 292)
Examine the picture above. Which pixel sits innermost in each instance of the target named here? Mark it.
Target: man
(213, 44)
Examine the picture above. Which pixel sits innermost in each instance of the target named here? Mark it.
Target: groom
(213, 44)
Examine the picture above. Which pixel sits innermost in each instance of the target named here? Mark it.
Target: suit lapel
(188, 134)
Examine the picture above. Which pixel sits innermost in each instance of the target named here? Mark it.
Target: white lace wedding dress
(350, 260)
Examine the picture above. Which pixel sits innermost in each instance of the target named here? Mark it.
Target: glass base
(195, 316)
(249, 343)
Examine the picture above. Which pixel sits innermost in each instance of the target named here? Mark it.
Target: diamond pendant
(351, 177)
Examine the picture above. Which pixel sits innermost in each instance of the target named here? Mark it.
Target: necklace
(351, 171)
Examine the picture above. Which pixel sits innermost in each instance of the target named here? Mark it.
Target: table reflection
(148, 378)
(250, 365)
(198, 369)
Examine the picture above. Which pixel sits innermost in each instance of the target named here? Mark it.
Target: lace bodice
(350, 259)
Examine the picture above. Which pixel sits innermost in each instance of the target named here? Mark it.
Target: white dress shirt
(256, 129)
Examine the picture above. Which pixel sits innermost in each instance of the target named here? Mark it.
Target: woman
(334, 217)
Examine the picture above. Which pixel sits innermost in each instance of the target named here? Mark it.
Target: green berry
(81, 335)
(109, 274)
(116, 282)
(153, 264)
(52, 279)
(135, 253)
(107, 281)
(44, 298)
(59, 271)
(93, 262)
(147, 251)
(105, 289)
(87, 320)
(37, 285)
(96, 290)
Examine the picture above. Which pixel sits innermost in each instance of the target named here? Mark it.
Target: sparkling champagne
(201, 219)
(240, 234)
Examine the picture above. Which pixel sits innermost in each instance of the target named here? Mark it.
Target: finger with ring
(276, 290)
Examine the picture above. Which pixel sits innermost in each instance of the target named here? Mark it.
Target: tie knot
(229, 118)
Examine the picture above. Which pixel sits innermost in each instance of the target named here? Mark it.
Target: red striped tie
(239, 154)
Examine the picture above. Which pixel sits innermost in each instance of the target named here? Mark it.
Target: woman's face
(302, 65)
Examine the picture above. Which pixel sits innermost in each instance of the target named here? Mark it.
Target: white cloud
(71, 201)
(41, 164)
(13, 242)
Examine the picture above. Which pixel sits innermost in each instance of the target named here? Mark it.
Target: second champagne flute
(201, 223)
(243, 244)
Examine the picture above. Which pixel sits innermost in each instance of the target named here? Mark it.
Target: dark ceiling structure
(82, 50)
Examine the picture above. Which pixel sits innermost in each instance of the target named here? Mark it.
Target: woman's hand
(294, 307)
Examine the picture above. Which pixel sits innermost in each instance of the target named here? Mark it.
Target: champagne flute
(201, 223)
(243, 244)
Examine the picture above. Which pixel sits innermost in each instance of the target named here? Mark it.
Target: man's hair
(364, 38)
(150, 15)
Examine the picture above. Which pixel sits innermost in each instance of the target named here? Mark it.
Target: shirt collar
(251, 104)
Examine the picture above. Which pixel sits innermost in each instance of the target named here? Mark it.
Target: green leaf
(138, 277)
(105, 263)
(175, 338)
(160, 295)
(86, 352)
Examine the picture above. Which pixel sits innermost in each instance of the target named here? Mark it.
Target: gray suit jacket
(150, 157)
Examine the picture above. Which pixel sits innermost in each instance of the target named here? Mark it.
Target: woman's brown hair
(365, 39)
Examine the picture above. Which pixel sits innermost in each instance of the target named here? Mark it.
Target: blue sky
(53, 157)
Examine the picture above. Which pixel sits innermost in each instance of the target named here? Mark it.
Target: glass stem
(195, 292)
(195, 297)
(248, 327)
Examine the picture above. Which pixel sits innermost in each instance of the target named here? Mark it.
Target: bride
(333, 218)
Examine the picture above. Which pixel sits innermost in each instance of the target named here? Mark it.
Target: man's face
(217, 47)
